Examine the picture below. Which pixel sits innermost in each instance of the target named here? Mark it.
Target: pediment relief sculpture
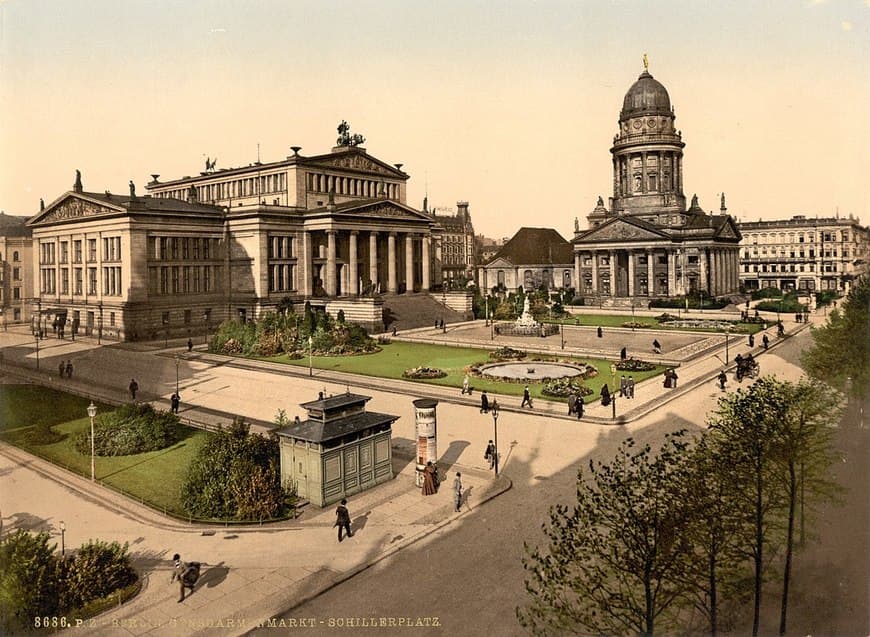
(621, 231)
(72, 208)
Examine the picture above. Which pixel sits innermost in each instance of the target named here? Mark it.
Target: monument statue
(41, 205)
(600, 201)
(78, 184)
(345, 138)
(576, 224)
(132, 189)
(645, 62)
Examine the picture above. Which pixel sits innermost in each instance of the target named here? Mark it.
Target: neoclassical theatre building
(333, 229)
(646, 243)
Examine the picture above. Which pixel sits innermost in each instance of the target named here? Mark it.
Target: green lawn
(153, 477)
(396, 357)
(649, 322)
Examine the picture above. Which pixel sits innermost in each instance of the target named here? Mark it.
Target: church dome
(645, 97)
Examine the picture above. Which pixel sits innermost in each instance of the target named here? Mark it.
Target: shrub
(235, 475)
(564, 387)
(766, 293)
(424, 372)
(130, 429)
(97, 570)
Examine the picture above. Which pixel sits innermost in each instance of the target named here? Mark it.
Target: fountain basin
(532, 371)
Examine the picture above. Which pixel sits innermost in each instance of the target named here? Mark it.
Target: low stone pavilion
(339, 450)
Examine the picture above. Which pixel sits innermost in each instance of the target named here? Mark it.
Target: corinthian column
(373, 259)
(427, 263)
(353, 276)
(409, 262)
(330, 263)
(391, 262)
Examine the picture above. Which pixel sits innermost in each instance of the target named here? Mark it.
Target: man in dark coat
(722, 380)
(579, 405)
(623, 354)
(489, 454)
(174, 402)
(605, 396)
(600, 332)
(657, 347)
(342, 519)
(484, 402)
(527, 398)
(69, 369)
(765, 341)
(751, 340)
(189, 345)
(133, 387)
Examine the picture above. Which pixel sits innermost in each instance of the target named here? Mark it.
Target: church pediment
(728, 231)
(73, 208)
(500, 262)
(386, 210)
(621, 230)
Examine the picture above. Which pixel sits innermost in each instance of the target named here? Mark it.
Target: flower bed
(634, 365)
(507, 354)
(634, 325)
(424, 373)
(564, 387)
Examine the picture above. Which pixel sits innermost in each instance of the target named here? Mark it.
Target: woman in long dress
(605, 396)
(430, 481)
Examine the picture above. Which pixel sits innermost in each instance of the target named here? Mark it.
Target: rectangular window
(92, 250)
(16, 274)
(64, 251)
(92, 280)
(175, 280)
(185, 248)
(78, 282)
(112, 319)
(187, 317)
(64, 281)
(16, 294)
(173, 246)
(206, 279)
(195, 248)
(206, 245)
(164, 249)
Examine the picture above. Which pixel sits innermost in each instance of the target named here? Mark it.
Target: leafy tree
(131, 428)
(613, 562)
(841, 348)
(746, 429)
(235, 475)
(28, 586)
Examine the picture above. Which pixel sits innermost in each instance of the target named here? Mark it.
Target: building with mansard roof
(333, 229)
(646, 243)
(456, 249)
(531, 258)
(16, 270)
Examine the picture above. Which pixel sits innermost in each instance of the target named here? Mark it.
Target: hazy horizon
(511, 106)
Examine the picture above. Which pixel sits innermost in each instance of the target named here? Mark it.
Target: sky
(509, 105)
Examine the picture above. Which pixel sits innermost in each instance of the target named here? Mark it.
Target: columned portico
(630, 273)
(650, 271)
(330, 264)
(426, 283)
(612, 262)
(595, 286)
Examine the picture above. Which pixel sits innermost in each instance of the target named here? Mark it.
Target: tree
(27, 581)
(841, 348)
(96, 570)
(804, 459)
(745, 429)
(612, 565)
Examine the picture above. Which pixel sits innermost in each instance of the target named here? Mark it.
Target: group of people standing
(65, 368)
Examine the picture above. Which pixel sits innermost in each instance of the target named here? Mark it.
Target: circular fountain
(534, 370)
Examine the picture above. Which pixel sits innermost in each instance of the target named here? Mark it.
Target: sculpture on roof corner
(132, 189)
(210, 163)
(345, 138)
(78, 183)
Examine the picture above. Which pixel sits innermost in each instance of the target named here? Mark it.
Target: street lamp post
(37, 349)
(176, 374)
(492, 326)
(310, 356)
(494, 410)
(205, 322)
(562, 331)
(92, 412)
(62, 538)
(727, 356)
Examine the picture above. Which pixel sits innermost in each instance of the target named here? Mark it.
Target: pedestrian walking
(69, 369)
(61, 369)
(600, 332)
(457, 491)
(765, 341)
(629, 387)
(572, 398)
(465, 385)
(622, 386)
(605, 395)
(342, 519)
(722, 380)
(623, 354)
(484, 402)
(187, 573)
(579, 406)
(657, 347)
(133, 387)
(489, 454)
(174, 402)
(189, 345)
(751, 340)
(527, 398)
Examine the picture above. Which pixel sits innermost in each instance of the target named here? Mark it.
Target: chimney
(462, 207)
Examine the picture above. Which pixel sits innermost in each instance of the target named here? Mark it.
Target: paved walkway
(252, 573)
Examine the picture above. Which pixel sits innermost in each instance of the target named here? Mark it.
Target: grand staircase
(407, 311)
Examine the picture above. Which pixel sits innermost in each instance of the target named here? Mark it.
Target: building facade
(456, 250)
(531, 258)
(646, 242)
(16, 270)
(332, 229)
(810, 254)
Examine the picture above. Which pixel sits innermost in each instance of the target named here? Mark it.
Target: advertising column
(426, 428)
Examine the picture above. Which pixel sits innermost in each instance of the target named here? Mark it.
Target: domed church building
(646, 243)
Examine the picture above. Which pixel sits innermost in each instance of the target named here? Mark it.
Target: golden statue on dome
(645, 62)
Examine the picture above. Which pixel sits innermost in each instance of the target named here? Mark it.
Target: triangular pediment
(73, 206)
(621, 229)
(385, 210)
(499, 262)
(354, 160)
(728, 230)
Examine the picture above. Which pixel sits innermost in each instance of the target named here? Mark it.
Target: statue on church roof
(132, 189)
(645, 62)
(576, 224)
(694, 201)
(41, 205)
(78, 184)
(600, 203)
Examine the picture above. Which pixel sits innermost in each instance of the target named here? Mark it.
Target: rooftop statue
(78, 184)
(345, 138)
(645, 62)
(132, 189)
